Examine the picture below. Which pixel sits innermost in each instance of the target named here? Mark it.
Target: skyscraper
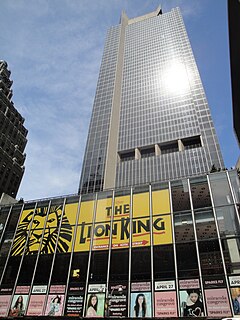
(151, 120)
(12, 137)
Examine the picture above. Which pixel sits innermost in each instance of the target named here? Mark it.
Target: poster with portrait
(18, 307)
(235, 294)
(191, 304)
(234, 282)
(141, 304)
(54, 305)
(95, 305)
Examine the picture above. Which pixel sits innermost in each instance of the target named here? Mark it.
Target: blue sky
(54, 50)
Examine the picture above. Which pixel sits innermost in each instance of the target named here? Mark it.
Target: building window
(127, 156)
(148, 152)
(191, 142)
(169, 147)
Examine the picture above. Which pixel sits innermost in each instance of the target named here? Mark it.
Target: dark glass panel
(27, 268)
(163, 261)
(210, 257)
(119, 266)
(79, 267)
(187, 260)
(141, 264)
(60, 268)
(44, 263)
(11, 271)
(98, 266)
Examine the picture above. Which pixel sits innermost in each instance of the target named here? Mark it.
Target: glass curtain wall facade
(167, 249)
(151, 120)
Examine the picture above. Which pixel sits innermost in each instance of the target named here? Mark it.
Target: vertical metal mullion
(233, 196)
(10, 249)
(23, 255)
(38, 254)
(72, 251)
(6, 222)
(220, 244)
(54, 256)
(90, 251)
(151, 247)
(110, 242)
(196, 242)
(130, 251)
(174, 246)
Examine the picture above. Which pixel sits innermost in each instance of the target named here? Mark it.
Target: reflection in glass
(205, 224)
(234, 178)
(227, 221)
(183, 226)
(231, 252)
(220, 189)
(180, 196)
(200, 193)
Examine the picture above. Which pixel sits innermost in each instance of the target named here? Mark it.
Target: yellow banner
(162, 230)
(160, 202)
(101, 230)
(84, 228)
(140, 205)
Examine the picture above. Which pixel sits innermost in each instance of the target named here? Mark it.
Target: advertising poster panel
(116, 304)
(191, 304)
(166, 299)
(235, 294)
(217, 303)
(234, 282)
(36, 301)
(36, 304)
(141, 304)
(141, 300)
(74, 302)
(95, 304)
(55, 300)
(54, 305)
(165, 304)
(54, 215)
(101, 229)
(4, 305)
(213, 282)
(18, 307)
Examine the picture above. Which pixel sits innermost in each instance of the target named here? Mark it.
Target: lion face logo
(31, 230)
